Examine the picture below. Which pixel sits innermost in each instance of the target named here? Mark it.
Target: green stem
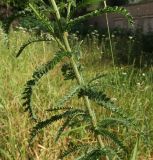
(78, 76)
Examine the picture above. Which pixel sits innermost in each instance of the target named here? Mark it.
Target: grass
(129, 87)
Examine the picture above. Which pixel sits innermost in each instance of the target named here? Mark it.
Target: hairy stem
(78, 76)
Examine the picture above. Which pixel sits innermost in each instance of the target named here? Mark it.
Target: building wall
(142, 13)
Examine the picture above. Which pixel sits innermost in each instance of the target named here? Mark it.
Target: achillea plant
(59, 29)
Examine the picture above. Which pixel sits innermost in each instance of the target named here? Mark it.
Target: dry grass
(132, 89)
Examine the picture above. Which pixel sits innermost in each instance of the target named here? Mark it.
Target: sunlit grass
(130, 88)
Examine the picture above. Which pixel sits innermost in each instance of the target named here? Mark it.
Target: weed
(74, 117)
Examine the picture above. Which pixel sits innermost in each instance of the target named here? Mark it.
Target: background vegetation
(129, 87)
(128, 82)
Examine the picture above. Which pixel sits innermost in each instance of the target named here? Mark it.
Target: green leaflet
(107, 122)
(72, 121)
(101, 98)
(112, 136)
(43, 19)
(40, 125)
(93, 94)
(60, 104)
(96, 78)
(37, 75)
(61, 129)
(53, 109)
(68, 72)
(118, 10)
(30, 41)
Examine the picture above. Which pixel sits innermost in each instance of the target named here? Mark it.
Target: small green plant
(59, 28)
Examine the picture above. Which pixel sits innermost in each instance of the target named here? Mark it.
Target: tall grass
(130, 88)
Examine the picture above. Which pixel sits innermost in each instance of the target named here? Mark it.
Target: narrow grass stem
(109, 35)
(79, 78)
(110, 42)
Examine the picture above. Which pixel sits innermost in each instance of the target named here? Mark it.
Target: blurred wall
(142, 13)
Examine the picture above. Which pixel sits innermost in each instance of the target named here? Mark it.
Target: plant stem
(78, 76)
(109, 35)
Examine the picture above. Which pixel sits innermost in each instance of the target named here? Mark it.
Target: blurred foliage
(139, 48)
(17, 4)
(130, 47)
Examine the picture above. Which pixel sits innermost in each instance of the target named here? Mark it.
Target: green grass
(130, 88)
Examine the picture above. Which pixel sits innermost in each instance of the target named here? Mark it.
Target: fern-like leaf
(40, 125)
(72, 121)
(74, 91)
(96, 78)
(100, 98)
(37, 75)
(30, 41)
(42, 18)
(68, 72)
(62, 128)
(116, 9)
(112, 136)
(58, 108)
(112, 122)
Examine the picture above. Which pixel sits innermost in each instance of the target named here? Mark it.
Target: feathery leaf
(58, 108)
(72, 121)
(116, 9)
(40, 125)
(30, 41)
(37, 75)
(60, 104)
(107, 122)
(97, 77)
(62, 128)
(100, 98)
(112, 136)
(43, 19)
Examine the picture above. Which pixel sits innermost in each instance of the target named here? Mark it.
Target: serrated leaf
(71, 121)
(116, 10)
(112, 136)
(101, 99)
(43, 19)
(43, 124)
(37, 75)
(30, 41)
(74, 91)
